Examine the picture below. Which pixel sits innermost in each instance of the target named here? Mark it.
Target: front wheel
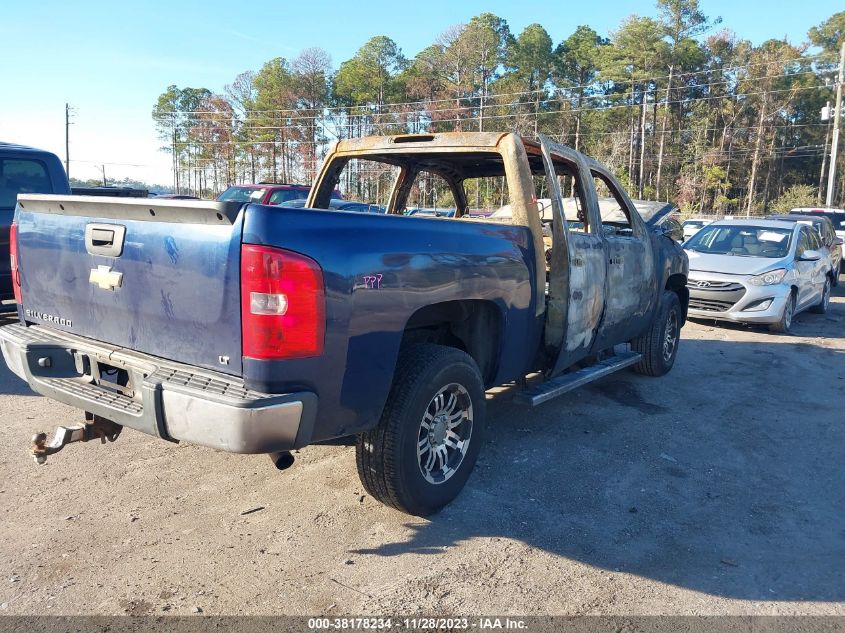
(785, 322)
(659, 344)
(424, 448)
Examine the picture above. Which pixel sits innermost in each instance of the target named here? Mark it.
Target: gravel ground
(719, 489)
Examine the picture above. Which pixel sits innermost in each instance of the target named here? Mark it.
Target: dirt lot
(717, 489)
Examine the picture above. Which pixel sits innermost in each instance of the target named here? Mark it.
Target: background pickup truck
(261, 329)
(23, 170)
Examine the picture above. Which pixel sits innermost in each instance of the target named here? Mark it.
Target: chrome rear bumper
(156, 396)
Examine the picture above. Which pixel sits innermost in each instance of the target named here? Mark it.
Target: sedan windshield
(743, 241)
(242, 194)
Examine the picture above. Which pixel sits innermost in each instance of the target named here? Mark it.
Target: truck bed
(178, 296)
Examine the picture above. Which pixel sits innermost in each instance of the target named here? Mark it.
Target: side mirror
(672, 232)
(838, 241)
(810, 256)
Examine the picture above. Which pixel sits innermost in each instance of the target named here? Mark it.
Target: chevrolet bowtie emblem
(105, 278)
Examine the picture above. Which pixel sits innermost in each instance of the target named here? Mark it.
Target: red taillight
(13, 256)
(282, 304)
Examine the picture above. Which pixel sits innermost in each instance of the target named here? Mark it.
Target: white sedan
(691, 227)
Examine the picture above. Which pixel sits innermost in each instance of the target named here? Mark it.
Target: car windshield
(742, 241)
(243, 194)
(693, 223)
(286, 195)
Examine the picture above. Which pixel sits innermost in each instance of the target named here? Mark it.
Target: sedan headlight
(770, 278)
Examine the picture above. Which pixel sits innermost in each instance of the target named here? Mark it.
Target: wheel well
(677, 283)
(472, 325)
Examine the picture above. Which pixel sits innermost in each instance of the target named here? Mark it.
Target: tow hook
(94, 428)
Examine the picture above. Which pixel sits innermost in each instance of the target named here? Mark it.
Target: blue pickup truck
(262, 329)
(23, 170)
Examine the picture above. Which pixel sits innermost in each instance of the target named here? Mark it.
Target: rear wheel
(659, 344)
(821, 306)
(785, 322)
(424, 448)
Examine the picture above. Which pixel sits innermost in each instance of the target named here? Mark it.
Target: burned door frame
(578, 266)
(630, 281)
(408, 176)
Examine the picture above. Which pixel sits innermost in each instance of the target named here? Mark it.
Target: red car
(268, 193)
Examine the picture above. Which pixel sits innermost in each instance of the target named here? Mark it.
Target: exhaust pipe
(282, 459)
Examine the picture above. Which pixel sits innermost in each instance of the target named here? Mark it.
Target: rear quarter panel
(378, 271)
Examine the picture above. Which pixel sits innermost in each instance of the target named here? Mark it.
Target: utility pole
(67, 140)
(837, 117)
(825, 119)
(104, 175)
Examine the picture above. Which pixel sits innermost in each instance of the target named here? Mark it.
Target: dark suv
(23, 170)
(268, 193)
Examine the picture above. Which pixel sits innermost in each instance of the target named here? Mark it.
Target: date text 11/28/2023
(421, 623)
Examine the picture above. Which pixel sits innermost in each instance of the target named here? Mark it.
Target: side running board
(545, 391)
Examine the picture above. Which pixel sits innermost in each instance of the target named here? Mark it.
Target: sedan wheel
(785, 322)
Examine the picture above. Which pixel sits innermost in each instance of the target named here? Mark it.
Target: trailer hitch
(94, 428)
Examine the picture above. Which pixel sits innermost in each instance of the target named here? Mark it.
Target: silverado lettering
(48, 318)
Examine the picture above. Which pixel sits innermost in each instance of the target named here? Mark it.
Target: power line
(243, 125)
(99, 162)
(509, 115)
(237, 127)
(594, 84)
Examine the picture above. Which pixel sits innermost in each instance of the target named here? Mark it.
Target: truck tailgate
(160, 277)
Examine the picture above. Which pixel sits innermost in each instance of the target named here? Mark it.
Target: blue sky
(111, 60)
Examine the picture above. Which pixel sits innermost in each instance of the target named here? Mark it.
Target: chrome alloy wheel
(670, 339)
(444, 434)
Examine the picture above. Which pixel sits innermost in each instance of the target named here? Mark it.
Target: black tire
(783, 326)
(821, 306)
(389, 463)
(659, 344)
(834, 276)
